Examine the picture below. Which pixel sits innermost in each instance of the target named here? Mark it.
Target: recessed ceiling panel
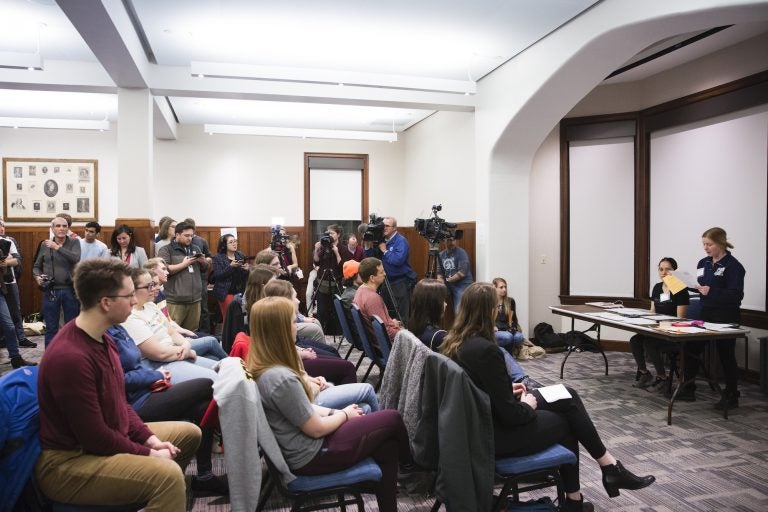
(299, 115)
(448, 39)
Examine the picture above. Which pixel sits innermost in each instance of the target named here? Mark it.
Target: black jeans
(726, 349)
(185, 401)
(566, 422)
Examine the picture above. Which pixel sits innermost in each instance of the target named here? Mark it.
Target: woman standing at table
(721, 285)
(663, 302)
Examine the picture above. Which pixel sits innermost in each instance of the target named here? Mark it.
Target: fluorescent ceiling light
(16, 60)
(327, 76)
(310, 133)
(70, 124)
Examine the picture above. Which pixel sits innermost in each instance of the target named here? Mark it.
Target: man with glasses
(394, 255)
(186, 263)
(95, 449)
(54, 264)
(90, 246)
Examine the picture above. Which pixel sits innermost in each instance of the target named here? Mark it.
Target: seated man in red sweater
(372, 275)
(95, 449)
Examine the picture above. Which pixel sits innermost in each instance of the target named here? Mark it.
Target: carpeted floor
(702, 462)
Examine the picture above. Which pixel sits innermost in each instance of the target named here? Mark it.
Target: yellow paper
(673, 283)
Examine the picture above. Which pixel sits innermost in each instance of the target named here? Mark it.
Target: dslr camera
(374, 230)
(279, 239)
(326, 240)
(436, 229)
(46, 283)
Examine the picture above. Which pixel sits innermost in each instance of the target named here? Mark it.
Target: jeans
(208, 347)
(456, 291)
(53, 302)
(514, 370)
(182, 371)
(14, 306)
(510, 338)
(8, 329)
(338, 397)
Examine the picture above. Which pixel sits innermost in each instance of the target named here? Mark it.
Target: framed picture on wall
(35, 188)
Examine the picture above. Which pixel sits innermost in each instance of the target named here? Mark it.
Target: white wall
(727, 65)
(246, 180)
(85, 144)
(439, 166)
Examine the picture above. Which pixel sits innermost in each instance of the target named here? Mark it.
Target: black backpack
(580, 341)
(545, 336)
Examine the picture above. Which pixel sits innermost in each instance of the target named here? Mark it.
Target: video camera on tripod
(279, 239)
(436, 229)
(374, 230)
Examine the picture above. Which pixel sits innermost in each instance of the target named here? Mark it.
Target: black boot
(616, 477)
(577, 505)
(18, 362)
(729, 400)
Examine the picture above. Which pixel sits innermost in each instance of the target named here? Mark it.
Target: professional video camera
(326, 240)
(435, 229)
(279, 239)
(374, 230)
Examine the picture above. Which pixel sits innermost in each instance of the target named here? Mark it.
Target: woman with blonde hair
(524, 423)
(316, 440)
(721, 285)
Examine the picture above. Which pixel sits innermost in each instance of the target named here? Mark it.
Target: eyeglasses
(131, 295)
(148, 287)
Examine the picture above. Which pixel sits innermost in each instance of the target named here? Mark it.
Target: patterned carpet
(702, 462)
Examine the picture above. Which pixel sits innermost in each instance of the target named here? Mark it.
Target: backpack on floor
(546, 337)
(580, 341)
(19, 433)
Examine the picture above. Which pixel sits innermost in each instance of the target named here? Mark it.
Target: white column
(135, 154)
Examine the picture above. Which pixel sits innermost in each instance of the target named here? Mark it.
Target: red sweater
(371, 303)
(81, 393)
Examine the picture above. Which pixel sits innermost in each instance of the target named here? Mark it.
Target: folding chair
(354, 342)
(370, 352)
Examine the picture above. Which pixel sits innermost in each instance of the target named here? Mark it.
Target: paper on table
(605, 305)
(719, 327)
(632, 311)
(682, 330)
(640, 321)
(661, 317)
(554, 393)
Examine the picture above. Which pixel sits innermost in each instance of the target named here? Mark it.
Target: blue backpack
(19, 433)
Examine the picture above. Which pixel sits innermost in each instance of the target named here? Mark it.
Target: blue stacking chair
(542, 467)
(370, 352)
(354, 342)
(355, 481)
(382, 337)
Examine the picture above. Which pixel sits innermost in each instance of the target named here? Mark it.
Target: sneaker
(210, 484)
(659, 385)
(643, 381)
(18, 362)
(25, 343)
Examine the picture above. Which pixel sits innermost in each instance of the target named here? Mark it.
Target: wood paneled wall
(251, 241)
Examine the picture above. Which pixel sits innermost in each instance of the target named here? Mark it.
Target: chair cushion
(553, 456)
(364, 471)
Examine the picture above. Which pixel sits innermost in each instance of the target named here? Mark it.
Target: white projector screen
(335, 194)
(706, 174)
(602, 217)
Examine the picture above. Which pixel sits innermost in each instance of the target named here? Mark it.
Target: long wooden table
(585, 313)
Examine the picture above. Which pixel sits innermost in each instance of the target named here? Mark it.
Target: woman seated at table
(316, 440)
(154, 399)
(525, 423)
(663, 302)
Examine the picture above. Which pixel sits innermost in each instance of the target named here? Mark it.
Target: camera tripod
(432, 258)
(333, 284)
